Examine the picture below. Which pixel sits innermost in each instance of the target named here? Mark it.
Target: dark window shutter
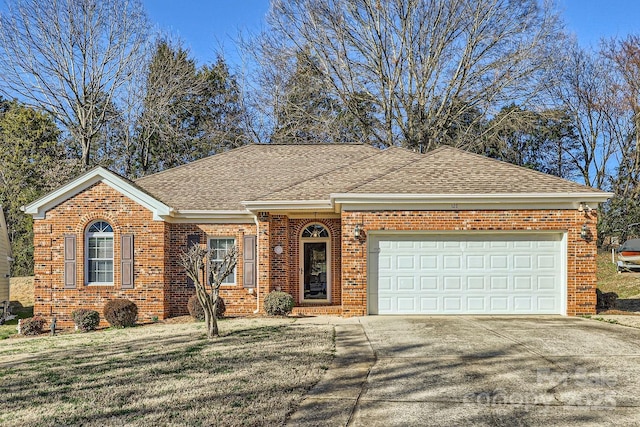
(192, 240)
(126, 261)
(70, 261)
(249, 261)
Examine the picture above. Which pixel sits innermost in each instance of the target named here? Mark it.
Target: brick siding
(161, 288)
(581, 254)
(72, 218)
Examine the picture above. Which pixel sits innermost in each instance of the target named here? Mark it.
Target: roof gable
(39, 208)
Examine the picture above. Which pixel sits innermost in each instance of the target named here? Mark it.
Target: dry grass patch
(21, 290)
(164, 374)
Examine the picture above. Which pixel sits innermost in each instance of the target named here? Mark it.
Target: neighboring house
(5, 264)
(345, 229)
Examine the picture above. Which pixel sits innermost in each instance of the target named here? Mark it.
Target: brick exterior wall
(72, 218)
(237, 299)
(161, 288)
(581, 254)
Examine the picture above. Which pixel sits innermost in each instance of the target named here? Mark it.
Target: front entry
(315, 264)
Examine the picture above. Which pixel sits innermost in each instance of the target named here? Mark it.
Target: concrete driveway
(488, 371)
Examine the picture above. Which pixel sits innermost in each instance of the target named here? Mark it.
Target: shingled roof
(314, 172)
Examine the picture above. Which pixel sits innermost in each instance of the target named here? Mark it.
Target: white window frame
(232, 276)
(103, 234)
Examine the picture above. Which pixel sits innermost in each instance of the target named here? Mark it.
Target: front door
(315, 271)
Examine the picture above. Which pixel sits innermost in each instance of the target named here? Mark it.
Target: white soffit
(350, 201)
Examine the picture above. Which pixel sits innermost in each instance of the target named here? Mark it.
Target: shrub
(121, 312)
(32, 325)
(278, 303)
(197, 312)
(86, 320)
(605, 300)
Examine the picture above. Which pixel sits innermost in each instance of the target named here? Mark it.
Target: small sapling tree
(194, 262)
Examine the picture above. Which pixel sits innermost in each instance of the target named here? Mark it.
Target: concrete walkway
(488, 371)
(332, 401)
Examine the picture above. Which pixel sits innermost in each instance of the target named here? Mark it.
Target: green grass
(626, 285)
(255, 374)
(9, 329)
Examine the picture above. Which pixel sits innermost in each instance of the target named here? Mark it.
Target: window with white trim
(99, 253)
(219, 247)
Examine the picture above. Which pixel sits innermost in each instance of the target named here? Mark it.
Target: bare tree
(625, 56)
(194, 261)
(427, 65)
(71, 58)
(586, 91)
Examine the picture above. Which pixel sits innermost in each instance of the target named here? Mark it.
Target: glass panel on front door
(315, 270)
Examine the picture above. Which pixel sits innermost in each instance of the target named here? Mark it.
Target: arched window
(99, 253)
(315, 230)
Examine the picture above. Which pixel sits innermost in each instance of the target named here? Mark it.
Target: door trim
(301, 242)
(376, 236)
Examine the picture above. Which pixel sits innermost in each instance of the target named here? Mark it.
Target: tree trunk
(210, 318)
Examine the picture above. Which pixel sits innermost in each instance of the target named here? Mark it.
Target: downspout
(255, 219)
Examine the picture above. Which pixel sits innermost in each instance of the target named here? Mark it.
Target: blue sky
(207, 25)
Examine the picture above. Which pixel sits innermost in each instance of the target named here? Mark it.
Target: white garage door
(482, 274)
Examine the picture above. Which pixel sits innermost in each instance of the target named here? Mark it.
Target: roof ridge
(323, 173)
(376, 177)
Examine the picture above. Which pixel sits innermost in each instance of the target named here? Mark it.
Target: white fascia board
(39, 208)
(289, 205)
(469, 201)
(213, 217)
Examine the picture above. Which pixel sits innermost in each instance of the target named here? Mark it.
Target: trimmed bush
(32, 325)
(197, 312)
(278, 303)
(121, 312)
(86, 320)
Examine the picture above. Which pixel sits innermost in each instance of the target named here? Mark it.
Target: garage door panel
(476, 304)
(522, 283)
(384, 284)
(405, 262)
(547, 304)
(522, 261)
(452, 283)
(475, 283)
(547, 261)
(498, 304)
(384, 262)
(452, 304)
(407, 283)
(429, 304)
(547, 283)
(470, 274)
(499, 283)
(499, 261)
(475, 261)
(523, 303)
(428, 283)
(428, 262)
(451, 262)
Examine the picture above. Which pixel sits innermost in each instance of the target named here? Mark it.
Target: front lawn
(164, 374)
(626, 285)
(10, 328)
